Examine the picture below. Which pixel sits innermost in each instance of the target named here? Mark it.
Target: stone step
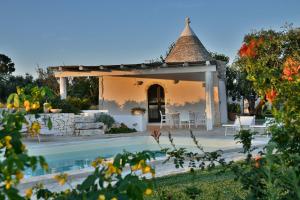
(94, 125)
(89, 132)
(84, 119)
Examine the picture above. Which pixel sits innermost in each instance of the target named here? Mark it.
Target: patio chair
(268, 122)
(240, 122)
(200, 119)
(186, 118)
(163, 118)
(173, 119)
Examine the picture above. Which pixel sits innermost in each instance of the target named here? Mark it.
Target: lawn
(213, 185)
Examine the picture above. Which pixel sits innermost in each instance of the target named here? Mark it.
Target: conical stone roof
(188, 48)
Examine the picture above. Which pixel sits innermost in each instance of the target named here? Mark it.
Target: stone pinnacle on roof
(188, 47)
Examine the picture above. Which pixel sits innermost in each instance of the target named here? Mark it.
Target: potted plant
(233, 110)
(47, 107)
(138, 111)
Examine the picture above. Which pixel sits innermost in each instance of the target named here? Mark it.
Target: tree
(240, 88)
(84, 87)
(10, 84)
(220, 57)
(47, 78)
(6, 65)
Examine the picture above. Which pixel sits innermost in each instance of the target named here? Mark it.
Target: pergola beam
(158, 71)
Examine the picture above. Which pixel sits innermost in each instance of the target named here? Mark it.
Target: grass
(212, 184)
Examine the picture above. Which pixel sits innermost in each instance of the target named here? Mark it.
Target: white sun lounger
(240, 122)
(268, 122)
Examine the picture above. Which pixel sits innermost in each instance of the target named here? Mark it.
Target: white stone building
(189, 80)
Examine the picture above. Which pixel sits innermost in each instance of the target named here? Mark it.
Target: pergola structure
(188, 61)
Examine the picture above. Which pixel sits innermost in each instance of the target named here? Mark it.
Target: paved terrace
(183, 132)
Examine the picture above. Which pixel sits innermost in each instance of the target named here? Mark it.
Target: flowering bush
(15, 158)
(272, 62)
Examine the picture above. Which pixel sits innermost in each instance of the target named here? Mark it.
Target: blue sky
(94, 32)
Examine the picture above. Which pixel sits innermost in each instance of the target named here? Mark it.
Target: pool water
(74, 155)
(79, 155)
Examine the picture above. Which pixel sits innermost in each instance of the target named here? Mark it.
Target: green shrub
(105, 119)
(122, 129)
(234, 108)
(80, 103)
(64, 105)
(94, 107)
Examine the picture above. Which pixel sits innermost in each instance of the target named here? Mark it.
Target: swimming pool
(74, 155)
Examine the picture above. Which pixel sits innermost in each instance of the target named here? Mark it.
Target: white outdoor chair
(200, 119)
(240, 122)
(173, 119)
(268, 122)
(163, 118)
(186, 118)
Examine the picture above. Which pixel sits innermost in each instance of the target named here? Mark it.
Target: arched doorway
(156, 102)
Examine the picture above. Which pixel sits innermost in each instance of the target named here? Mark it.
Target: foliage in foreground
(210, 184)
(107, 181)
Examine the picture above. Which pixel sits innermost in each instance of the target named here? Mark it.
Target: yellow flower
(138, 166)
(146, 169)
(35, 128)
(141, 164)
(61, 178)
(7, 141)
(7, 138)
(135, 167)
(28, 192)
(35, 105)
(19, 175)
(9, 106)
(1, 105)
(101, 197)
(26, 103)
(7, 184)
(111, 169)
(97, 162)
(27, 108)
(148, 191)
(114, 198)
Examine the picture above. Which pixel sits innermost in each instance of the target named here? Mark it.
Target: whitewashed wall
(120, 94)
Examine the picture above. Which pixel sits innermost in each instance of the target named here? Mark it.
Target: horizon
(104, 33)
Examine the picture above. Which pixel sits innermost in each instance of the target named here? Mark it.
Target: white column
(100, 97)
(223, 101)
(209, 100)
(63, 87)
